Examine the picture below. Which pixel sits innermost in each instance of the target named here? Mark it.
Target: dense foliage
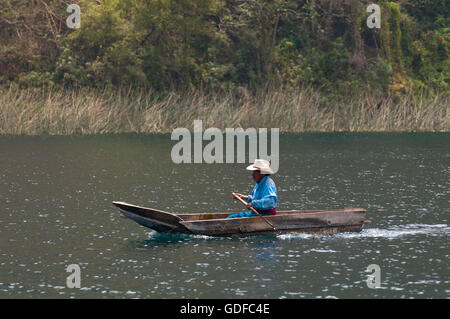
(223, 44)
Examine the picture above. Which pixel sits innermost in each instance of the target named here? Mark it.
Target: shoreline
(167, 134)
(90, 112)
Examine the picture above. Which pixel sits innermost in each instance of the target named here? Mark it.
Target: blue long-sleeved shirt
(264, 195)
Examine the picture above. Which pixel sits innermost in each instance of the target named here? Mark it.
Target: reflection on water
(156, 239)
(57, 193)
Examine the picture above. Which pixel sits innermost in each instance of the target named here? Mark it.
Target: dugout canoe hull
(216, 224)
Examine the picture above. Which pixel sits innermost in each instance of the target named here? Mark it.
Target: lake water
(56, 195)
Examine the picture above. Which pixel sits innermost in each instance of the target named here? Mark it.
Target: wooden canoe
(216, 224)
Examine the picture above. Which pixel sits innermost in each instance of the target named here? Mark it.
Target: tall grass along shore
(65, 112)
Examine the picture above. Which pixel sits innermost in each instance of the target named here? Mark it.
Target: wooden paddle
(254, 210)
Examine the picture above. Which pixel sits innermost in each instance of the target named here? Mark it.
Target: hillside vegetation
(235, 51)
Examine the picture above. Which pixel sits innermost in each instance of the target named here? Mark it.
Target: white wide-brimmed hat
(261, 165)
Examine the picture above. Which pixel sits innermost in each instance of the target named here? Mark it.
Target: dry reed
(65, 112)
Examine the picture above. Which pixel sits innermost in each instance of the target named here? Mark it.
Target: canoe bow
(155, 219)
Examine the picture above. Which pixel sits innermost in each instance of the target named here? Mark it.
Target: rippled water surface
(56, 210)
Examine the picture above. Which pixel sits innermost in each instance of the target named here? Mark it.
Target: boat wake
(389, 233)
(392, 232)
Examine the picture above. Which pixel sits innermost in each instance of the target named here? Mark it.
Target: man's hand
(244, 197)
(249, 205)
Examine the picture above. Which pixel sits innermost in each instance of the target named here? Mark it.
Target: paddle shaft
(254, 210)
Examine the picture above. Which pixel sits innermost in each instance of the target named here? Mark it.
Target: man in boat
(264, 195)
